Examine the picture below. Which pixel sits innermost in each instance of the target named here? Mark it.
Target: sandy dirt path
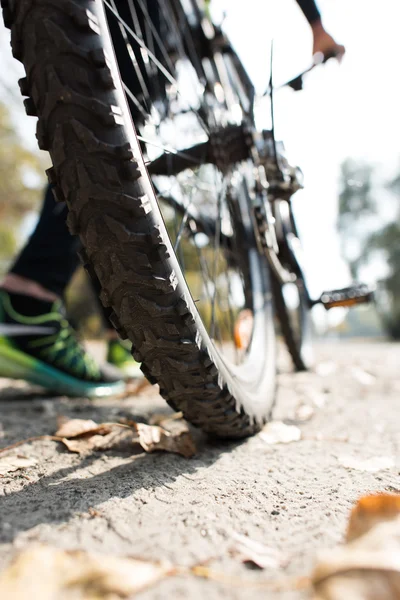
(294, 497)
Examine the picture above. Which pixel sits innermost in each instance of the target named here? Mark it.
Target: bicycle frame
(275, 181)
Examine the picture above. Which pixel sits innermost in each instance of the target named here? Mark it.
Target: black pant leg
(50, 255)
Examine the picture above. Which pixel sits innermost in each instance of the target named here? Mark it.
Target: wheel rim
(206, 243)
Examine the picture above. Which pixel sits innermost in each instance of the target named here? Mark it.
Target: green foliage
(361, 321)
(356, 190)
(356, 204)
(83, 308)
(21, 182)
(358, 208)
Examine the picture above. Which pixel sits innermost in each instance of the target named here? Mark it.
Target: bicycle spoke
(152, 57)
(194, 200)
(155, 33)
(133, 59)
(135, 101)
(190, 159)
(216, 256)
(183, 224)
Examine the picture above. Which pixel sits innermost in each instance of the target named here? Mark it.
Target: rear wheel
(170, 244)
(292, 302)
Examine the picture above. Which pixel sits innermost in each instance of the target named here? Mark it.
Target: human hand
(324, 44)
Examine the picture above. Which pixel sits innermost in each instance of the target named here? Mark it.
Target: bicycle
(190, 247)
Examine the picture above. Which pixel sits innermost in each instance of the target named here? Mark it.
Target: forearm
(310, 11)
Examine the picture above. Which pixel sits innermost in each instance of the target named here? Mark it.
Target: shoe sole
(18, 365)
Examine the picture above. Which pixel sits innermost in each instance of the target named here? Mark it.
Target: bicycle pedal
(346, 297)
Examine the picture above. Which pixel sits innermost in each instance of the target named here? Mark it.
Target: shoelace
(61, 346)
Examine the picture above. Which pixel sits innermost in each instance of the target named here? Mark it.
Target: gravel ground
(291, 497)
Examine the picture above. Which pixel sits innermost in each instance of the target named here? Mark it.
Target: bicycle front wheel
(166, 234)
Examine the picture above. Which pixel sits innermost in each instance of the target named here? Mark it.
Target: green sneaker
(41, 347)
(119, 355)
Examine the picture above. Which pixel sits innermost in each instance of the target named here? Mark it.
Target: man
(36, 341)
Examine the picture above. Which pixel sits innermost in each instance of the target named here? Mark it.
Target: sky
(351, 110)
(348, 110)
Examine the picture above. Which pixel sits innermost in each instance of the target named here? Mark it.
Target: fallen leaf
(136, 387)
(321, 437)
(8, 464)
(326, 368)
(318, 399)
(179, 441)
(367, 567)
(251, 551)
(82, 436)
(48, 573)
(163, 419)
(279, 586)
(304, 412)
(277, 432)
(71, 428)
(362, 376)
(371, 510)
(119, 439)
(371, 465)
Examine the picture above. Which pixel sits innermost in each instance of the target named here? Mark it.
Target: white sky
(352, 110)
(347, 111)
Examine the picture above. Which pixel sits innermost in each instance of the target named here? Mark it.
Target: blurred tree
(356, 204)
(361, 242)
(21, 183)
(387, 241)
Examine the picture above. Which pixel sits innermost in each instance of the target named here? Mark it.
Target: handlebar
(296, 83)
(319, 59)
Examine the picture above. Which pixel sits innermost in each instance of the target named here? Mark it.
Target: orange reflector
(243, 329)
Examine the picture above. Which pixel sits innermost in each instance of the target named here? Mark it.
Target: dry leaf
(136, 387)
(71, 428)
(304, 412)
(9, 464)
(276, 432)
(367, 567)
(318, 399)
(371, 510)
(180, 441)
(88, 436)
(46, 573)
(117, 439)
(163, 419)
(371, 465)
(249, 584)
(250, 551)
(84, 436)
(326, 368)
(362, 376)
